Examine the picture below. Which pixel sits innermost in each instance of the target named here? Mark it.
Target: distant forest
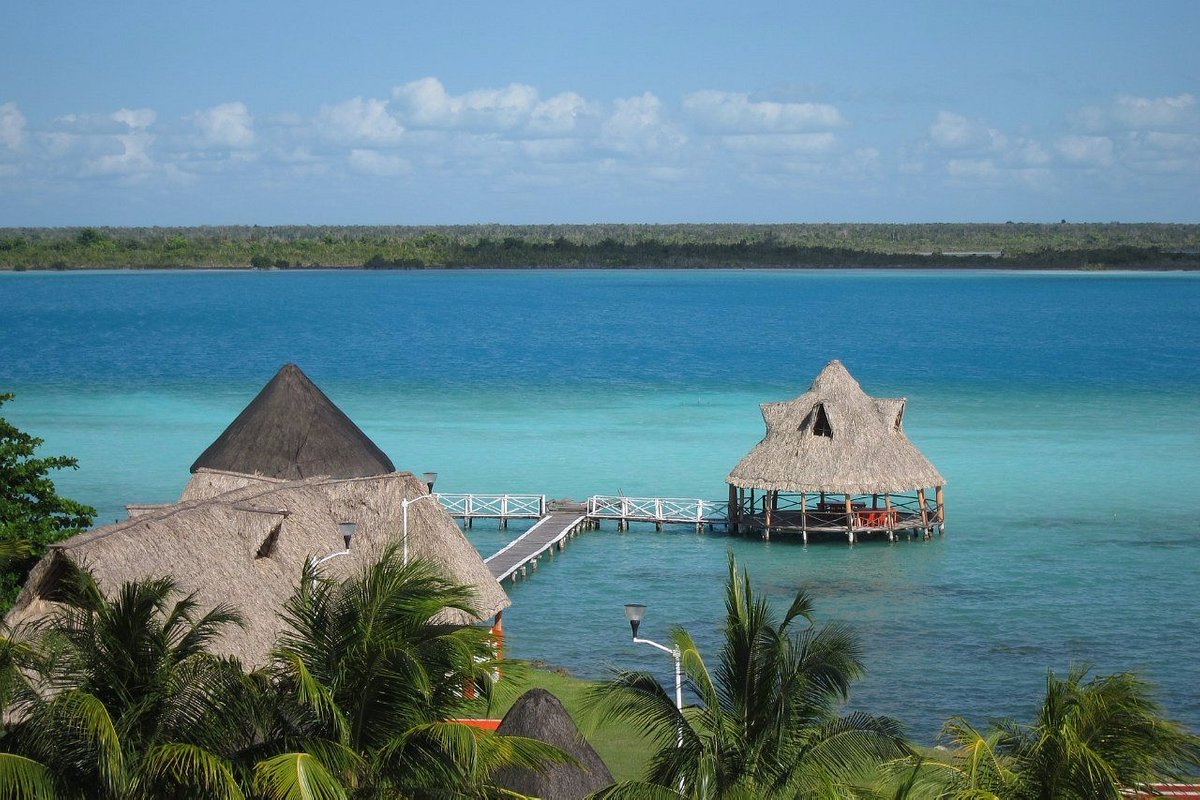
(1010, 245)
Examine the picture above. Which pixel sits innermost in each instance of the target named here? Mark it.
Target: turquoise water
(1064, 410)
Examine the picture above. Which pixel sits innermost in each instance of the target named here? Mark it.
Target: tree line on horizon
(1009, 245)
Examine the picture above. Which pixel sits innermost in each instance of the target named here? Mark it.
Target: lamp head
(634, 613)
(347, 529)
(430, 479)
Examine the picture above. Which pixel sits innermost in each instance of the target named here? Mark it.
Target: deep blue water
(1064, 410)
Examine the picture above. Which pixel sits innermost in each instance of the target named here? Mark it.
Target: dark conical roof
(292, 430)
(537, 714)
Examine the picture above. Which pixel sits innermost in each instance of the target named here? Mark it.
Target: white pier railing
(494, 506)
(658, 509)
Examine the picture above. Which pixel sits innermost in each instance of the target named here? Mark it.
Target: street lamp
(634, 613)
(347, 528)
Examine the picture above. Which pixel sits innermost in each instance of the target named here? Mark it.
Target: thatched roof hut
(292, 430)
(538, 714)
(243, 539)
(834, 438)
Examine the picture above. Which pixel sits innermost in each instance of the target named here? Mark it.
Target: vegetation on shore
(962, 245)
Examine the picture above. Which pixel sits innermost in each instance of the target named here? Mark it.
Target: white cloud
(373, 162)
(1172, 142)
(426, 103)
(972, 168)
(133, 157)
(781, 143)
(1154, 112)
(950, 130)
(639, 125)
(559, 115)
(12, 126)
(226, 125)
(1096, 150)
(360, 120)
(135, 118)
(1030, 153)
(735, 112)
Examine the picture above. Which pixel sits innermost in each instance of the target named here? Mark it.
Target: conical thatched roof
(292, 430)
(835, 438)
(229, 540)
(537, 714)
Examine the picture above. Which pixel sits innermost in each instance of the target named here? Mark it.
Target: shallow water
(1064, 410)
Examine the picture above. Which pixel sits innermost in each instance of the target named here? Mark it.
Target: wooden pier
(659, 510)
(523, 553)
(764, 515)
(470, 507)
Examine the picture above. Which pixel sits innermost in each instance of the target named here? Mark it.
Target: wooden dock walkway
(523, 552)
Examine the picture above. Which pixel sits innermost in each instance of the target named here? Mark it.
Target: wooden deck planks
(548, 531)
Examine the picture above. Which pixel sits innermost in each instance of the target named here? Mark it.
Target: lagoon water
(1063, 409)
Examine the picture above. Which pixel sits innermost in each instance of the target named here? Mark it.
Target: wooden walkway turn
(547, 532)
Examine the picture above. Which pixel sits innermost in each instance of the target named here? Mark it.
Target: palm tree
(368, 682)
(128, 699)
(767, 721)
(1090, 738)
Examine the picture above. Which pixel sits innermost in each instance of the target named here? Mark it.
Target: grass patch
(626, 752)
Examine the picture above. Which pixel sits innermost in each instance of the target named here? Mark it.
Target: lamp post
(347, 528)
(634, 613)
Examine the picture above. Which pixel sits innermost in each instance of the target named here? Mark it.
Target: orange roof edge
(475, 722)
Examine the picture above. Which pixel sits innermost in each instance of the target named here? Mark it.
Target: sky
(267, 112)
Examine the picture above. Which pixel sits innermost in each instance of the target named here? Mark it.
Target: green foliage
(360, 667)
(1090, 738)
(32, 514)
(962, 245)
(130, 703)
(766, 724)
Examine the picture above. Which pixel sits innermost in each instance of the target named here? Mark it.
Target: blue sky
(269, 112)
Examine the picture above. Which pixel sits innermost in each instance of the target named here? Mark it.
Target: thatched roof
(835, 438)
(537, 714)
(228, 540)
(292, 430)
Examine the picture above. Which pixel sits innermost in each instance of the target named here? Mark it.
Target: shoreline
(948, 268)
(1017, 246)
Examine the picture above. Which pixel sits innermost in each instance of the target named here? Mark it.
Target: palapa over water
(243, 538)
(835, 438)
(538, 714)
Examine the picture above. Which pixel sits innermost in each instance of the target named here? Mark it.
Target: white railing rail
(502, 506)
(657, 509)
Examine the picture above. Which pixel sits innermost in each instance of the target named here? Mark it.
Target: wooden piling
(804, 517)
(849, 518)
(769, 500)
(924, 513)
(939, 500)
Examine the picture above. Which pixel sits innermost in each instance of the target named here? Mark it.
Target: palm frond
(167, 768)
(296, 776)
(23, 778)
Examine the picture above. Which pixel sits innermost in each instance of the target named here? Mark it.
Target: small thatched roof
(292, 430)
(230, 541)
(537, 714)
(835, 438)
